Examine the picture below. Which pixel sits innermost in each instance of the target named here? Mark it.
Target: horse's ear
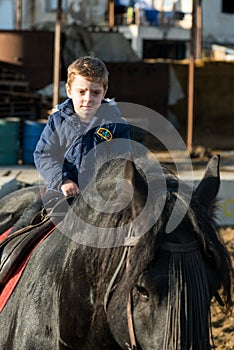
(208, 188)
(136, 181)
(130, 171)
(133, 176)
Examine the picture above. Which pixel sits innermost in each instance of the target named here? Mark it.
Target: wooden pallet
(16, 98)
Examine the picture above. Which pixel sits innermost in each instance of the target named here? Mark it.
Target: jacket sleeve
(48, 156)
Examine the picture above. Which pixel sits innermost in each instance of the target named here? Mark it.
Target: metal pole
(191, 81)
(18, 14)
(199, 30)
(111, 14)
(57, 49)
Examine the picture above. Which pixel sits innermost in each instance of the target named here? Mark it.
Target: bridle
(166, 246)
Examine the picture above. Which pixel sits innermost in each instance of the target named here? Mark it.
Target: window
(228, 6)
(51, 5)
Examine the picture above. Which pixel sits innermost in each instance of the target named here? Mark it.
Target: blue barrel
(31, 133)
(9, 141)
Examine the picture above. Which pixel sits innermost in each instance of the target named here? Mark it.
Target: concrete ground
(13, 177)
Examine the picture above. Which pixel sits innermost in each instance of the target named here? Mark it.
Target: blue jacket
(68, 148)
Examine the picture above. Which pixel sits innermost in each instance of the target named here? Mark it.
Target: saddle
(16, 246)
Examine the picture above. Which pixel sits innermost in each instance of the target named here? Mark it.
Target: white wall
(34, 13)
(217, 26)
(7, 15)
(88, 12)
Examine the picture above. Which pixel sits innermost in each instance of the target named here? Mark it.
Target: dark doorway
(164, 49)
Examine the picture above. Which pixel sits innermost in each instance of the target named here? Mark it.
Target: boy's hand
(69, 188)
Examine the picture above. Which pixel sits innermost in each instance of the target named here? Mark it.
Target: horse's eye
(143, 293)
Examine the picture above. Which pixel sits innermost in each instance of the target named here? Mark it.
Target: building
(154, 28)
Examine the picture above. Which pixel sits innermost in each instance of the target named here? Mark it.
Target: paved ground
(17, 176)
(25, 174)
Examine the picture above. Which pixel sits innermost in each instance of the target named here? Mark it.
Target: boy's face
(86, 96)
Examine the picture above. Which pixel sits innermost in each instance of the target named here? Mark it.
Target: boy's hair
(89, 67)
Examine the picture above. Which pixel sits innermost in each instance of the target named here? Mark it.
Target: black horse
(90, 286)
(13, 205)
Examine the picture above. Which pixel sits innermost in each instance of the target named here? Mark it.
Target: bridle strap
(112, 281)
(131, 332)
(133, 345)
(180, 247)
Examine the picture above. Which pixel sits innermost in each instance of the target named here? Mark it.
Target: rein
(129, 242)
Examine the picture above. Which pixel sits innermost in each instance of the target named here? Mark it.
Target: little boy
(76, 134)
(80, 124)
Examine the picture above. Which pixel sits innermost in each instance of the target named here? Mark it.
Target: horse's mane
(147, 248)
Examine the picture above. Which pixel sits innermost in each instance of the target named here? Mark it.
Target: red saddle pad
(11, 284)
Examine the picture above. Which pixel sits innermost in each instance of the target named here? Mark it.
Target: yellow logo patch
(105, 134)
